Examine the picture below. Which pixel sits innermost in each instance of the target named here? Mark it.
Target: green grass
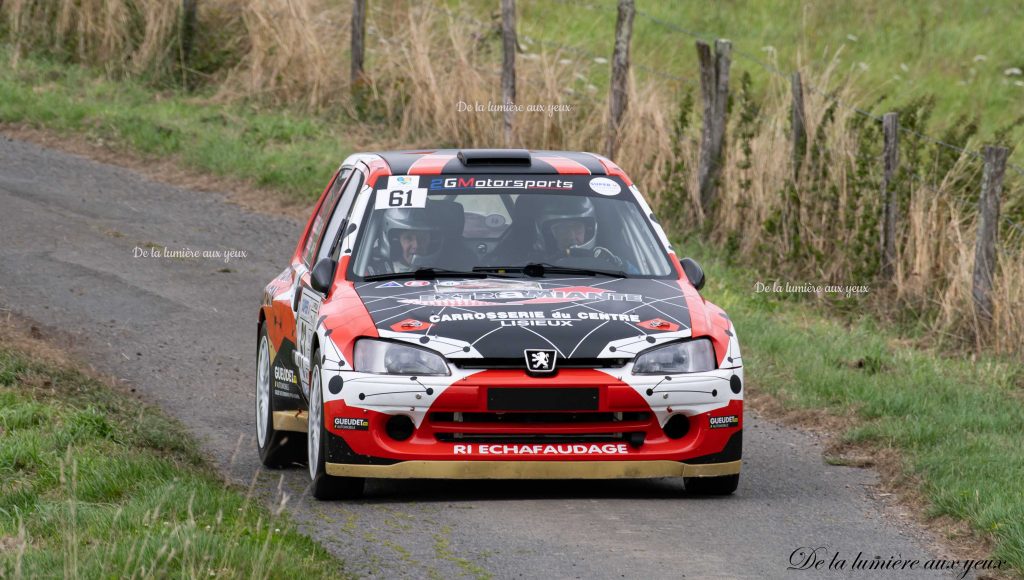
(287, 152)
(957, 423)
(956, 50)
(95, 484)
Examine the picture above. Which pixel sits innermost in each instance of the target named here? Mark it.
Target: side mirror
(694, 273)
(323, 275)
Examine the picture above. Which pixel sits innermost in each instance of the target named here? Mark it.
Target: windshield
(462, 223)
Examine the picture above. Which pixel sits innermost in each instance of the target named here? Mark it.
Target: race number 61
(400, 198)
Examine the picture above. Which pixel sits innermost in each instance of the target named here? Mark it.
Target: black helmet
(546, 211)
(398, 220)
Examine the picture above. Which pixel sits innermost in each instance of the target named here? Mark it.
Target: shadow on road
(398, 491)
(428, 490)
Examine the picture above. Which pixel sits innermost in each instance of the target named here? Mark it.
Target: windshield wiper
(431, 274)
(538, 269)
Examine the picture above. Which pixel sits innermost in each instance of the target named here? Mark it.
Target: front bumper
(457, 434)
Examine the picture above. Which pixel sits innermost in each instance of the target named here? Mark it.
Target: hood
(494, 318)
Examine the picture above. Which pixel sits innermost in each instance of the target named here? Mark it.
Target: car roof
(505, 161)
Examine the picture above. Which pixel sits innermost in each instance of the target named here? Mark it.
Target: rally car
(496, 314)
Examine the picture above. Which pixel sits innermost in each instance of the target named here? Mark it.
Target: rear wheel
(722, 485)
(277, 448)
(324, 486)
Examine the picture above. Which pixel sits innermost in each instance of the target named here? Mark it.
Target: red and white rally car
(493, 314)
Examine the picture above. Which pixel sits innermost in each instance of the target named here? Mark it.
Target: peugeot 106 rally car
(493, 314)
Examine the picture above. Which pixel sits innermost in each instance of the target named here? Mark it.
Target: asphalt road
(183, 333)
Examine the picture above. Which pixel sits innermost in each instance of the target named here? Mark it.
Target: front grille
(537, 427)
(535, 418)
(520, 363)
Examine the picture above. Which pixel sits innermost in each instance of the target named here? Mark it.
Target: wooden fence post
(891, 157)
(799, 125)
(358, 42)
(620, 74)
(508, 64)
(188, 35)
(714, 87)
(988, 234)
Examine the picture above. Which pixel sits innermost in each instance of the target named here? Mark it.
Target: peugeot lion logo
(540, 360)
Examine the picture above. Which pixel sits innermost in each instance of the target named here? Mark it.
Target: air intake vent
(503, 157)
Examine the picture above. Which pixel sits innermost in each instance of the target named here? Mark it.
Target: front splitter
(533, 469)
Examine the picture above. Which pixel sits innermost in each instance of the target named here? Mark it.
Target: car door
(280, 303)
(318, 246)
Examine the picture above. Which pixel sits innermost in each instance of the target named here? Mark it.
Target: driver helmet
(562, 216)
(399, 220)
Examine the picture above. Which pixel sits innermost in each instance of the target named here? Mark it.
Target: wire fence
(663, 74)
(779, 72)
(775, 70)
(653, 71)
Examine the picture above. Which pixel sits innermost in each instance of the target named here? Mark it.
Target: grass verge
(96, 484)
(289, 153)
(952, 427)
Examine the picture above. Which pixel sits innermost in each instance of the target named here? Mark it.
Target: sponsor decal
(309, 310)
(351, 423)
(658, 324)
(723, 422)
(391, 284)
(607, 316)
(403, 181)
(542, 449)
(467, 316)
(492, 183)
(605, 186)
(284, 382)
(540, 360)
(521, 318)
(486, 285)
(414, 283)
(410, 325)
(535, 323)
(455, 296)
(286, 375)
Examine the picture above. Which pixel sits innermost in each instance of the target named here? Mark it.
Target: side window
(322, 216)
(348, 195)
(636, 232)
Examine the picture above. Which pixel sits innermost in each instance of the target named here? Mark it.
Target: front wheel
(722, 485)
(277, 448)
(324, 486)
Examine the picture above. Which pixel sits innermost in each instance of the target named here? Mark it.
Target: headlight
(392, 358)
(693, 356)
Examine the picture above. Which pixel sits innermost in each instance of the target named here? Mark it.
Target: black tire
(323, 486)
(277, 449)
(722, 485)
